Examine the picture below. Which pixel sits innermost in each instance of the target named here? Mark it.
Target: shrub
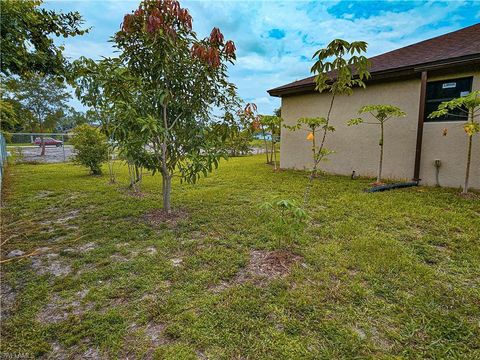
(91, 147)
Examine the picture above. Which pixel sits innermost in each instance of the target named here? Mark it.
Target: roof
(457, 46)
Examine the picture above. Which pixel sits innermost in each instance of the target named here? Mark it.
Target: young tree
(381, 113)
(43, 96)
(339, 67)
(26, 37)
(288, 220)
(273, 124)
(250, 113)
(469, 105)
(91, 148)
(163, 88)
(241, 133)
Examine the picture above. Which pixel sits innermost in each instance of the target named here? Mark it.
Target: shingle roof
(463, 43)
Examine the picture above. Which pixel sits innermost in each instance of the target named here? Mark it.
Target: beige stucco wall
(356, 147)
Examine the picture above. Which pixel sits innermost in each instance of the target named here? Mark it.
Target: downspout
(421, 115)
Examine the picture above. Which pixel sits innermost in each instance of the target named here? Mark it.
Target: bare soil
(263, 266)
(159, 217)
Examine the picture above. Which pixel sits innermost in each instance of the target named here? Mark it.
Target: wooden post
(421, 115)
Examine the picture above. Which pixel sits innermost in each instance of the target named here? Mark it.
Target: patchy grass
(385, 275)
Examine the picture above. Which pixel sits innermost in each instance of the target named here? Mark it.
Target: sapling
(381, 113)
(339, 67)
(469, 105)
(273, 124)
(288, 219)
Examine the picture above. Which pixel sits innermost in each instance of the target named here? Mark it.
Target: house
(416, 78)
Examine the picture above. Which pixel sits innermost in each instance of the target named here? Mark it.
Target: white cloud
(263, 62)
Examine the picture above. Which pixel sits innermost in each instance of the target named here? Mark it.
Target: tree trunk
(166, 176)
(274, 156)
(42, 141)
(166, 190)
(380, 164)
(42, 144)
(138, 174)
(272, 150)
(110, 166)
(469, 158)
(316, 160)
(265, 142)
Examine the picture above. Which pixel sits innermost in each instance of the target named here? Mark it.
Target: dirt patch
(90, 354)
(68, 216)
(155, 334)
(263, 266)
(176, 262)
(128, 191)
(159, 217)
(150, 251)
(7, 300)
(271, 264)
(118, 258)
(87, 247)
(469, 196)
(50, 264)
(42, 194)
(59, 309)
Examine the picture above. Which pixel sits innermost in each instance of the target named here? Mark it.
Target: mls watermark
(15, 355)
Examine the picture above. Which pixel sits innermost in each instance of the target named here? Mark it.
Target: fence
(27, 147)
(3, 156)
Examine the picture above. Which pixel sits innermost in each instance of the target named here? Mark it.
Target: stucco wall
(356, 147)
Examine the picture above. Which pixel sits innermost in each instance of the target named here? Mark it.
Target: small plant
(381, 113)
(288, 219)
(469, 105)
(91, 147)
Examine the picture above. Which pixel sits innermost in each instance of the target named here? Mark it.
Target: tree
(273, 124)
(241, 133)
(251, 114)
(381, 113)
(265, 124)
(91, 148)
(162, 90)
(27, 45)
(469, 105)
(72, 118)
(43, 97)
(339, 67)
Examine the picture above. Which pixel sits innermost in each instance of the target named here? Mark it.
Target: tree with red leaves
(164, 88)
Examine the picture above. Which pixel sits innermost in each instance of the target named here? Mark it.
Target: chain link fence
(27, 147)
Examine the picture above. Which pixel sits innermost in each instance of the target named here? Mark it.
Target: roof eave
(385, 74)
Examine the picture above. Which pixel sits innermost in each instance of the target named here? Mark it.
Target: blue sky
(276, 39)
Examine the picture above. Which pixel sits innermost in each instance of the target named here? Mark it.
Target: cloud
(276, 39)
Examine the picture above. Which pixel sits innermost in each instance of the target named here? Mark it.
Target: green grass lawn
(381, 276)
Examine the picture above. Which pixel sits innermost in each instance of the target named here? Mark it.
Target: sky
(275, 40)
